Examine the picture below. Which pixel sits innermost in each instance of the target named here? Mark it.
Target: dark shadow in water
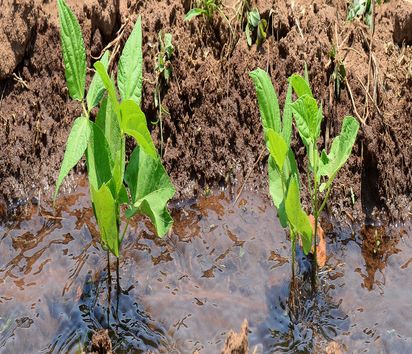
(316, 317)
(130, 328)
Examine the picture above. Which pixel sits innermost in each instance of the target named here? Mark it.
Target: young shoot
(143, 185)
(284, 180)
(323, 167)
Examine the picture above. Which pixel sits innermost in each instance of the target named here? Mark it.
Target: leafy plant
(258, 25)
(164, 71)
(143, 185)
(362, 9)
(284, 176)
(324, 166)
(206, 8)
(283, 173)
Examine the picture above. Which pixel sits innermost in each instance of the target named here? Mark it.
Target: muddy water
(223, 263)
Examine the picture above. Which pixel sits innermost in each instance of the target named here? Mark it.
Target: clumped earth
(213, 135)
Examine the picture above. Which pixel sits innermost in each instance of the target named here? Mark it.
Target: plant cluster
(362, 9)
(284, 179)
(143, 184)
(256, 27)
(206, 8)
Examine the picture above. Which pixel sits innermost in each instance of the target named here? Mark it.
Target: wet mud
(223, 263)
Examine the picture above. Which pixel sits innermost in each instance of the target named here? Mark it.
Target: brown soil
(213, 134)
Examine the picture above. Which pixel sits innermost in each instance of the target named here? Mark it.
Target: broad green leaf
(300, 86)
(296, 216)
(193, 13)
(277, 147)
(105, 208)
(276, 191)
(96, 89)
(133, 123)
(253, 18)
(267, 99)
(287, 116)
(306, 113)
(99, 161)
(150, 189)
(75, 147)
(341, 148)
(74, 54)
(129, 75)
(108, 84)
(107, 121)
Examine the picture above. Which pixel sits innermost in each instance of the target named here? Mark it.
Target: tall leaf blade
(133, 123)
(107, 121)
(296, 216)
(74, 54)
(150, 189)
(75, 147)
(105, 208)
(287, 116)
(96, 89)
(267, 100)
(99, 160)
(108, 85)
(130, 77)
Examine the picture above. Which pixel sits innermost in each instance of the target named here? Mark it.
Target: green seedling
(205, 8)
(362, 9)
(255, 25)
(164, 72)
(338, 76)
(284, 180)
(143, 185)
(323, 167)
(283, 173)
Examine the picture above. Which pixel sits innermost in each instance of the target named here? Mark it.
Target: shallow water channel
(222, 263)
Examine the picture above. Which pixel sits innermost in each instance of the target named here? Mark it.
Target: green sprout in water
(283, 174)
(143, 185)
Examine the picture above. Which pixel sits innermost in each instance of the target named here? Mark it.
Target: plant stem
(86, 113)
(315, 214)
(124, 231)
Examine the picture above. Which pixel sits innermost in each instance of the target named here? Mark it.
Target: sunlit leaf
(130, 72)
(75, 147)
(150, 189)
(74, 54)
(134, 124)
(297, 217)
(267, 99)
(106, 209)
(96, 89)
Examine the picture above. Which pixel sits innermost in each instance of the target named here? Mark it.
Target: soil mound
(212, 134)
